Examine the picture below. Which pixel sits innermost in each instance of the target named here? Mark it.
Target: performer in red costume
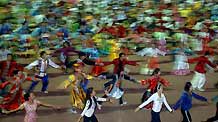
(97, 70)
(7, 67)
(199, 77)
(152, 82)
(15, 97)
(206, 40)
(119, 64)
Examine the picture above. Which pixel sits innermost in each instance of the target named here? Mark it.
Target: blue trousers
(44, 84)
(155, 116)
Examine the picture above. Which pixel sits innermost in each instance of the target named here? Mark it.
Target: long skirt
(78, 98)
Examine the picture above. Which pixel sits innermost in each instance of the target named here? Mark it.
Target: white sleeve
(160, 52)
(86, 108)
(166, 104)
(147, 102)
(31, 65)
(101, 99)
(51, 63)
(143, 52)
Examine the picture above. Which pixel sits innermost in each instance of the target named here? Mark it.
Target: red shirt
(12, 66)
(201, 62)
(13, 100)
(117, 62)
(153, 82)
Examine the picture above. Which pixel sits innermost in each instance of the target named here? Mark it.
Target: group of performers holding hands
(84, 97)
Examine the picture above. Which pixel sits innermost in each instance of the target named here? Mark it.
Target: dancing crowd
(103, 33)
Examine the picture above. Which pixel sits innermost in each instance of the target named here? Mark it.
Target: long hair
(88, 96)
(88, 93)
(157, 87)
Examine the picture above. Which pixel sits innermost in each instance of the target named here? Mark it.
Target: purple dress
(30, 109)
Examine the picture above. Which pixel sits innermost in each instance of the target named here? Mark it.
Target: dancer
(78, 82)
(64, 54)
(119, 64)
(153, 53)
(42, 65)
(181, 66)
(113, 89)
(8, 67)
(30, 105)
(102, 73)
(3, 88)
(158, 99)
(83, 59)
(13, 100)
(90, 106)
(199, 77)
(185, 102)
(153, 82)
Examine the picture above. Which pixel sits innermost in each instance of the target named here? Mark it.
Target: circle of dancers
(103, 33)
(85, 99)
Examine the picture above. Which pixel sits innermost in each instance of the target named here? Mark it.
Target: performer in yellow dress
(78, 82)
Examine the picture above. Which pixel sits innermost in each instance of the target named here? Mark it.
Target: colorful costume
(7, 68)
(42, 67)
(153, 61)
(77, 91)
(15, 98)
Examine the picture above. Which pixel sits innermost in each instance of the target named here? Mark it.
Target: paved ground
(114, 112)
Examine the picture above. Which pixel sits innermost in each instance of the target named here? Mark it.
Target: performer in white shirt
(90, 106)
(42, 65)
(158, 99)
(153, 62)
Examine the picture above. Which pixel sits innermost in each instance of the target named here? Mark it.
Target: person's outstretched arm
(166, 104)
(145, 103)
(47, 105)
(201, 98)
(21, 107)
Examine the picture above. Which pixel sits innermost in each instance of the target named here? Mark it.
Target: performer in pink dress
(30, 105)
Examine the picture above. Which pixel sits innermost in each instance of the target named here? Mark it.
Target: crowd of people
(102, 33)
